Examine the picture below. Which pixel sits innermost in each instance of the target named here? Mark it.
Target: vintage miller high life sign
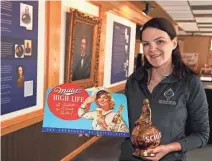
(65, 100)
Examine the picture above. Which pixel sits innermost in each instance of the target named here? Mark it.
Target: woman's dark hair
(138, 61)
(180, 70)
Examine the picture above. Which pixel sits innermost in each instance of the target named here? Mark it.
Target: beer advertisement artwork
(145, 135)
(72, 109)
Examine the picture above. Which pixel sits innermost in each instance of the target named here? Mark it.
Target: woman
(103, 116)
(177, 97)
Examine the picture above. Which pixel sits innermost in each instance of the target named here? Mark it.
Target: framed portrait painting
(82, 53)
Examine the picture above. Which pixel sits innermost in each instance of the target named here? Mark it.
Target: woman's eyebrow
(154, 39)
(158, 38)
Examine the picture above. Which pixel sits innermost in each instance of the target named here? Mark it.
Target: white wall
(108, 47)
(40, 66)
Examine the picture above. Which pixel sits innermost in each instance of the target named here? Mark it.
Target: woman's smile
(102, 102)
(155, 56)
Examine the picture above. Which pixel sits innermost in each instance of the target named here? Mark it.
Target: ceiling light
(202, 11)
(205, 29)
(188, 26)
(146, 9)
(203, 19)
(204, 25)
(200, 3)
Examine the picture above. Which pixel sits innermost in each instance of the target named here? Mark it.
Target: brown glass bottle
(117, 118)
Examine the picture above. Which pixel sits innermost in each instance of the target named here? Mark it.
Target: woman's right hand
(90, 99)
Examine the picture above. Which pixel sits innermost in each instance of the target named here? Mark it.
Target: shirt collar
(170, 79)
(140, 75)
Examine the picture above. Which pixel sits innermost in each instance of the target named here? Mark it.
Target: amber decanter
(145, 135)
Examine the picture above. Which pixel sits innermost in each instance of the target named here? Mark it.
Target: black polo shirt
(177, 105)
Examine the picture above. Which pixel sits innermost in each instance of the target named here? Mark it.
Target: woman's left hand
(159, 152)
(102, 122)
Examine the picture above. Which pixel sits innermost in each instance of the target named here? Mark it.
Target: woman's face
(103, 100)
(144, 108)
(157, 46)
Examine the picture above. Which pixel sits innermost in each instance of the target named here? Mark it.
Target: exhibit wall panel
(39, 73)
(111, 18)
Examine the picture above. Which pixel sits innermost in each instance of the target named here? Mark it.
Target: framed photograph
(19, 51)
(26, 16)
(19, 76)
(82, 53)
(28, 47)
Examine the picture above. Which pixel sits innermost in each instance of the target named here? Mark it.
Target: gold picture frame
(83, 47)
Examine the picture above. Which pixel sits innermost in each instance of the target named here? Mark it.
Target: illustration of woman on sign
(103, 117)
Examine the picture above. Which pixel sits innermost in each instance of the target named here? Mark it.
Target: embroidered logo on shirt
(169, 94)
(165, 102)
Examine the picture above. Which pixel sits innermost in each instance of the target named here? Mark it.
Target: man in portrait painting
(27, 48)
(20, 76)
(82, 63)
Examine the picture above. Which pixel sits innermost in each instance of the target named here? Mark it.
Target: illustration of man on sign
(103, 117)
